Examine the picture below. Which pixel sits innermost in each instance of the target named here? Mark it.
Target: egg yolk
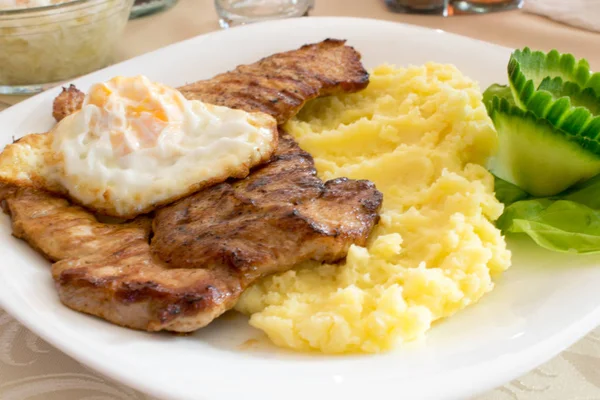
(135, 112)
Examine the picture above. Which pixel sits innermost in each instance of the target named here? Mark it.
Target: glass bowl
(43, 46)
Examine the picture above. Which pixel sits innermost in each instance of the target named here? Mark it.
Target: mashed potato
(421, 134)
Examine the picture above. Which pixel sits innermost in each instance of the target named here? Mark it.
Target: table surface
(31, 369)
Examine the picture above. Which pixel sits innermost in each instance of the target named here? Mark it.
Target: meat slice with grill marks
(207, 248)
(67, 102)
(278, 216)
(281, 84)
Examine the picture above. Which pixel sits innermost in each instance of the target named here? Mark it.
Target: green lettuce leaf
(586, 193)
(568, 222)
(508, 193)
(558, 225)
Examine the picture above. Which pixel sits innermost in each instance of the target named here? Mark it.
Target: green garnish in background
(548, 163)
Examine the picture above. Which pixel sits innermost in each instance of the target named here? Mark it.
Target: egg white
(136, 145)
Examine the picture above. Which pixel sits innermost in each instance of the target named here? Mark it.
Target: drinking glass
(485, 6)
(238, 12)
(439, 7)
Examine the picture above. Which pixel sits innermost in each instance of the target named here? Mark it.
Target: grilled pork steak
(67, 102)
(209, 247)
(278, 216)
(59, 230)
(281, 84)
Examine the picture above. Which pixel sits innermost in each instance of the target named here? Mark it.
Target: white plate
(544, 303)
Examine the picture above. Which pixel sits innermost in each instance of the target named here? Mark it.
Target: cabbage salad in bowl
(45, 42)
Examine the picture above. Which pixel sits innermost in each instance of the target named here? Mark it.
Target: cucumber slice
(535, 155)
(559, 113)
(496, 90)
(527, 69)
(579, 97)
(558, 88)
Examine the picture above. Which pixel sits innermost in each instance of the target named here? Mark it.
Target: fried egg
(136, 145)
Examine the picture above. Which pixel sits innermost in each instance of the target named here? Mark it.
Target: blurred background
(568, 25)
(37, 36)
